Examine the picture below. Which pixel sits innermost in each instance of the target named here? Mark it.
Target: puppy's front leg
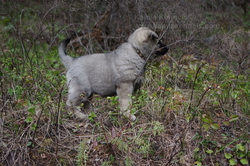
(124, 92)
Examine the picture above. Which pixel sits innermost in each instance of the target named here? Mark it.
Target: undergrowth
(193, 108)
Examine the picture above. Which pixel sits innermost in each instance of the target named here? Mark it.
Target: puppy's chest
(130, 68)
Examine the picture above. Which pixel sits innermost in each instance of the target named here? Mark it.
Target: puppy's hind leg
(74, 102)
(76, 97)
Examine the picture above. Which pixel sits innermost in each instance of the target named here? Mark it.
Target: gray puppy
(119, 72)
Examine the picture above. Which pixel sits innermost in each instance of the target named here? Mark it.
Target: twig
(178, 41)
(59, 33)
(195, 78)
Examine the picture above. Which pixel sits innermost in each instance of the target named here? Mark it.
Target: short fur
(116, 73)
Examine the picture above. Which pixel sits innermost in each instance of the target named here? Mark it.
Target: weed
(195, 99)
(239, 155)
(92, 116)
(82, 155)
(113, 100)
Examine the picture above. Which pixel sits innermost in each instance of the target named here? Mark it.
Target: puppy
(119, 72)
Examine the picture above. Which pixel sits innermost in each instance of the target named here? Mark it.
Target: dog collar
(139, 53)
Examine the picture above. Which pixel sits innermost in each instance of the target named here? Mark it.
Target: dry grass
(193, 108)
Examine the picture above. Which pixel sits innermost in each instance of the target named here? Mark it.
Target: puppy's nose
(162, 50)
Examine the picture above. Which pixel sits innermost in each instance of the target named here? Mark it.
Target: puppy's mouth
(162, 50)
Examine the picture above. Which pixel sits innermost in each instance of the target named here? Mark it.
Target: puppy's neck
(139, 53)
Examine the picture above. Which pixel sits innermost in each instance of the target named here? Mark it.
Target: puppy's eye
(153, 36)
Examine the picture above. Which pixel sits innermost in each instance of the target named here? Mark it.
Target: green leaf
(240, 147)
(188, 117)
(209, 151)
(5, 21)
(232, 162)
(112, 158)
(244, 161)
(197, 163)
(206, 127)
(28, 119)
(215, 126)
(29, 143)
(32, 110)
(228, 155)
(235, 94)
(33, 126)
(233, 118)
(207, 119)
(241, 154)
(196, 150)
(226, 123)
(203, 23)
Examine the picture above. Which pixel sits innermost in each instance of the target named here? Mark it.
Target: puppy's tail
(66, 60)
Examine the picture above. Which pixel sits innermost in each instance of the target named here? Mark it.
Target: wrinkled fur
(107, 74)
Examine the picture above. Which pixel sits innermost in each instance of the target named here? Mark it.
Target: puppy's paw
(130, 116)
(79, 115)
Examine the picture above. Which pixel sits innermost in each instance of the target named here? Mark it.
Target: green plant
(198, 157)
(201, 86)
(158, 128)
(107, 163)
(113, 100)
(82, 154)
(92, 116)
(239, 155)
(128, 161)
(210, 123)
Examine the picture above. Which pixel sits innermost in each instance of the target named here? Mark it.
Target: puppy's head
(146, 41)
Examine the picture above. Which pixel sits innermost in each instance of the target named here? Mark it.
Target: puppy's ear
(153, 36)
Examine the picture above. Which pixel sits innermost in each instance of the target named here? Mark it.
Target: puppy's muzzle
(162, 49)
